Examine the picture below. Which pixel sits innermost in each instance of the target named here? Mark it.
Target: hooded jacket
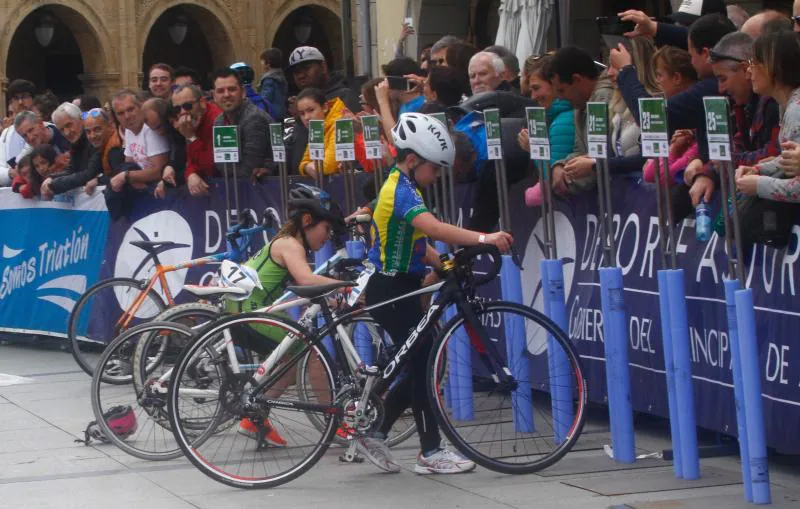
(330, 166)
(561, 130)
(274, 89)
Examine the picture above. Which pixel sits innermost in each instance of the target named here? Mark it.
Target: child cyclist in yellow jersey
(401, 253)
(312, 217)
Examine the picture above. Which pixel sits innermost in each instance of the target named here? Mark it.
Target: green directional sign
(276, 141)
(441, 117)
(316, 140)
(226, 144)
(597, 129)
(718, 128)
(653, 122)
(345, 140)
(370, 125)
(538, 134)
(494, 142)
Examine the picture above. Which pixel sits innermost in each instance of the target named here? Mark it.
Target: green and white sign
(718, 128)
(370, 125)
(538, 135)
(276, 140)
(597, 130)
(316, 140)
(653, 121)
(494, 142)
(345, 140)
(226, 144)
(441, 117)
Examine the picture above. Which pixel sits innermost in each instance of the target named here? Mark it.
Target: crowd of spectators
(150, 141)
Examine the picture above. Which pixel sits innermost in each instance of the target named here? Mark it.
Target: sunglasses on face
(716, 56)
(187, 106)
(796, 19)
(94, 113)
(21, 97)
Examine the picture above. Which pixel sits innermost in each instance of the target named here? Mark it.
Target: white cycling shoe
(443, 462)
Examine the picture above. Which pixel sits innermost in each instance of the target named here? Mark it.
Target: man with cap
(20, 98)
(308, 67)
(673, 35)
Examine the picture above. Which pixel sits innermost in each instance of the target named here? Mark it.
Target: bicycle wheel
(150, 439)
(101, 314)
(274, 440)
(362, 328)
(513, 428)
(155, 355)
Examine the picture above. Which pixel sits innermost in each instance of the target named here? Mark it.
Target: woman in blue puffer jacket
(560, 116)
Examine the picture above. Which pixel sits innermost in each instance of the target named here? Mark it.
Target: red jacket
(200, 152)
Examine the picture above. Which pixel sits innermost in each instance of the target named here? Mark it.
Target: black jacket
(254, 146)
(79, 171)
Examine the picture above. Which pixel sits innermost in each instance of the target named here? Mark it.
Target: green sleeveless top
(274, 280)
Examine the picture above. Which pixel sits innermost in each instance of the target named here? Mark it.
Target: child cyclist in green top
(401, 253)
(312, 217)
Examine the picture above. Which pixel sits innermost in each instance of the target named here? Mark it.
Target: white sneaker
(376, 451)
(443, 462)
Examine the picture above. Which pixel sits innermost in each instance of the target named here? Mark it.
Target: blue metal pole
(754, 409)
(682, 358)
(669, 367)
(560, 370)
(516, 348)
(731, 287)
(320, 257)
(617, 370)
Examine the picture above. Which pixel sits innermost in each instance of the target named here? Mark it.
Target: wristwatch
(482, 239)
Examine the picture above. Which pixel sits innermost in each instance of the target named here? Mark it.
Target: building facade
(99, 46)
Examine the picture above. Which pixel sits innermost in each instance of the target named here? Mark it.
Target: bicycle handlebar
(465, 256)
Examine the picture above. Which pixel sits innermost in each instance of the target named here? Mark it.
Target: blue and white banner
(773, 275)
(51, 252)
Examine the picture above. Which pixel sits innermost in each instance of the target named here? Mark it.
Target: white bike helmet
(425, 136)
(233, 275)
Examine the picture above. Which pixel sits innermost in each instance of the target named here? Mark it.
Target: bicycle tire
(142, 443)
(439, 352)
(217, 473)
(73, 323)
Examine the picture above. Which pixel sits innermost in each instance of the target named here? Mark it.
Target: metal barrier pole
(672, 303)
(279, 156)
(741, 316)
(511, 285)
(612, 295)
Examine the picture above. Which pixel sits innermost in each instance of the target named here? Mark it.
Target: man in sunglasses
(194, 117)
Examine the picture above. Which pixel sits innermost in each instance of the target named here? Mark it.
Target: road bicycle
(155, 348)
(112, 306)
(505, 418)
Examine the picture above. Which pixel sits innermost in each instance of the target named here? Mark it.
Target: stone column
(3, 96)
(102, 85)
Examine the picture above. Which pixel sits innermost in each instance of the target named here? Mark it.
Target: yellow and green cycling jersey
(398, 246)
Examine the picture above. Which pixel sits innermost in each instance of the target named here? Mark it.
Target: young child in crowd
(27, 182)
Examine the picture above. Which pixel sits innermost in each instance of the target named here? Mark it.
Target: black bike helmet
(245, 72)
(305, 199)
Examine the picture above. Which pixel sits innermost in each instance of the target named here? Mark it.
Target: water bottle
(702, 214)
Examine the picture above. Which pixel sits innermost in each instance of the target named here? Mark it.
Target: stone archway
(324, 30)
(76, 59)
(208, 43)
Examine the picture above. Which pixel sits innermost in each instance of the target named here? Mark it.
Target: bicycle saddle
(215, 291)
(312, 292)
(156, 246)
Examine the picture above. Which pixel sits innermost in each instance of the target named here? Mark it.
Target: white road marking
(6, 380)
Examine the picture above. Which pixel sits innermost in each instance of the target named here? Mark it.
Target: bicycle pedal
(354, 459)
